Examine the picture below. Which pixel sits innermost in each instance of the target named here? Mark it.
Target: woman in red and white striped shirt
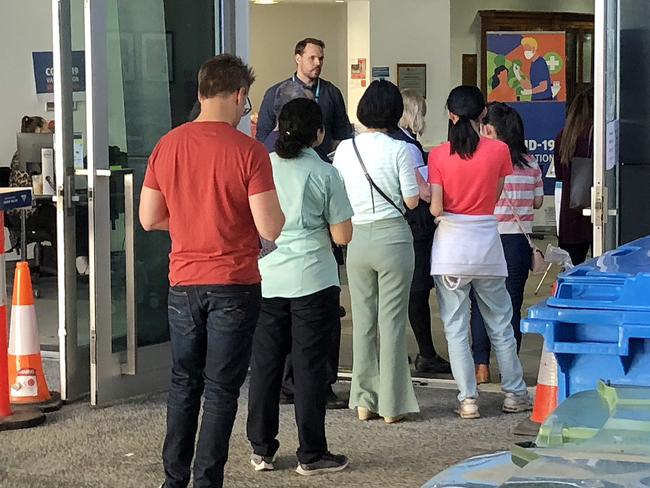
(522, 193)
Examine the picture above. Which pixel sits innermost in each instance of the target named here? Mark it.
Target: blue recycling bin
(598, 322)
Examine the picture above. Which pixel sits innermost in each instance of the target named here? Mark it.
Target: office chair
(35, 233)
(5, 174)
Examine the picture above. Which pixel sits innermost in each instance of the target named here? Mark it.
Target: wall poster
(527, 70)
(358, 71)
(412, 76)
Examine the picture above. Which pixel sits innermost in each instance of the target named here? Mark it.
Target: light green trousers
(380, 268)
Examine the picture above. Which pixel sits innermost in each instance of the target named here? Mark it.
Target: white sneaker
(262, 463)
(516, 403)
(468, 409)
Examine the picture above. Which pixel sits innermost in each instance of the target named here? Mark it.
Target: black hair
(467, 103)
(495, 78)
(381, 106)
(510, 129)
(300, 47)
(298, 124)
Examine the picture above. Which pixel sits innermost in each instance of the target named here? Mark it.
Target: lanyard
(317, 94)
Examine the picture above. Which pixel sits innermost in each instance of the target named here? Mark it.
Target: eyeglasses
(248, 107)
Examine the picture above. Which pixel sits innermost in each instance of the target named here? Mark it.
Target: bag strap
(373, 184)
(519, 223)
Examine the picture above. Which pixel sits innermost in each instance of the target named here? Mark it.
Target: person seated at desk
(19, 178)
(43, 215)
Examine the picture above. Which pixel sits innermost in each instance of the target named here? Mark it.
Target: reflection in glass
(587, 56)
(155, 48)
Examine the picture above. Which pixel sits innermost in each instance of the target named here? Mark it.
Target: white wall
(358, 47)
(26, 26)
(466, 23)
(275, 30)
(416, 31)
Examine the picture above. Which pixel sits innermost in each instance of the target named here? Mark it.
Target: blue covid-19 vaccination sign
(44, 71)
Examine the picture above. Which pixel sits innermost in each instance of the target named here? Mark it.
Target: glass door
(605, 192)
(141, 63)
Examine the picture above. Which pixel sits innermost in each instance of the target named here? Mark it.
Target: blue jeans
(518, 257)
(494, 303)
(211, 329)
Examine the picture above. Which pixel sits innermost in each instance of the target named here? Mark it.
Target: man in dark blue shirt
(309, 60)
(539, 86)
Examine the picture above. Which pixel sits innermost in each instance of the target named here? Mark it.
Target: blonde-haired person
(423, 226)
(415, 109)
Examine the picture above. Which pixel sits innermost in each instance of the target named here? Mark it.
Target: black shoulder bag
(374, 185)
(582, 178)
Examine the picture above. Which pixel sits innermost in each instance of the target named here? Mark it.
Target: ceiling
(305, 1)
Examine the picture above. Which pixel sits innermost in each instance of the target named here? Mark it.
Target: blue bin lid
(617, 280)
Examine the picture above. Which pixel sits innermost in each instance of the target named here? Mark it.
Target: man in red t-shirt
(211, 187)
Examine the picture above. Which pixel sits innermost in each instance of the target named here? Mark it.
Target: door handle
(611, 212)
(130, 367)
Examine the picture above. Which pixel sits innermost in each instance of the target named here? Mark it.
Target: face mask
(529, 54)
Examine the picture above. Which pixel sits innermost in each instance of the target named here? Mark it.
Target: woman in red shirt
(466, 176)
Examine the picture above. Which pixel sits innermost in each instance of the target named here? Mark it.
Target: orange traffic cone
(545, 395)
(9, 419)
(26, 377)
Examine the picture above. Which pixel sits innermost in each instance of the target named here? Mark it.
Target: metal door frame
(138, 370)
(600, 212)
(73, 358)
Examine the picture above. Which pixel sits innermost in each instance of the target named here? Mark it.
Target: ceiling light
(265, 2)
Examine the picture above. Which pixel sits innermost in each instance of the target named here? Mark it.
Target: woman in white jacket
(466, 176)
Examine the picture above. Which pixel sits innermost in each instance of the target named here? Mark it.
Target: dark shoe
(329, 463)
(342, 312)
(482, 374)
(286, 399)
(334, 402)
(435, 365)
